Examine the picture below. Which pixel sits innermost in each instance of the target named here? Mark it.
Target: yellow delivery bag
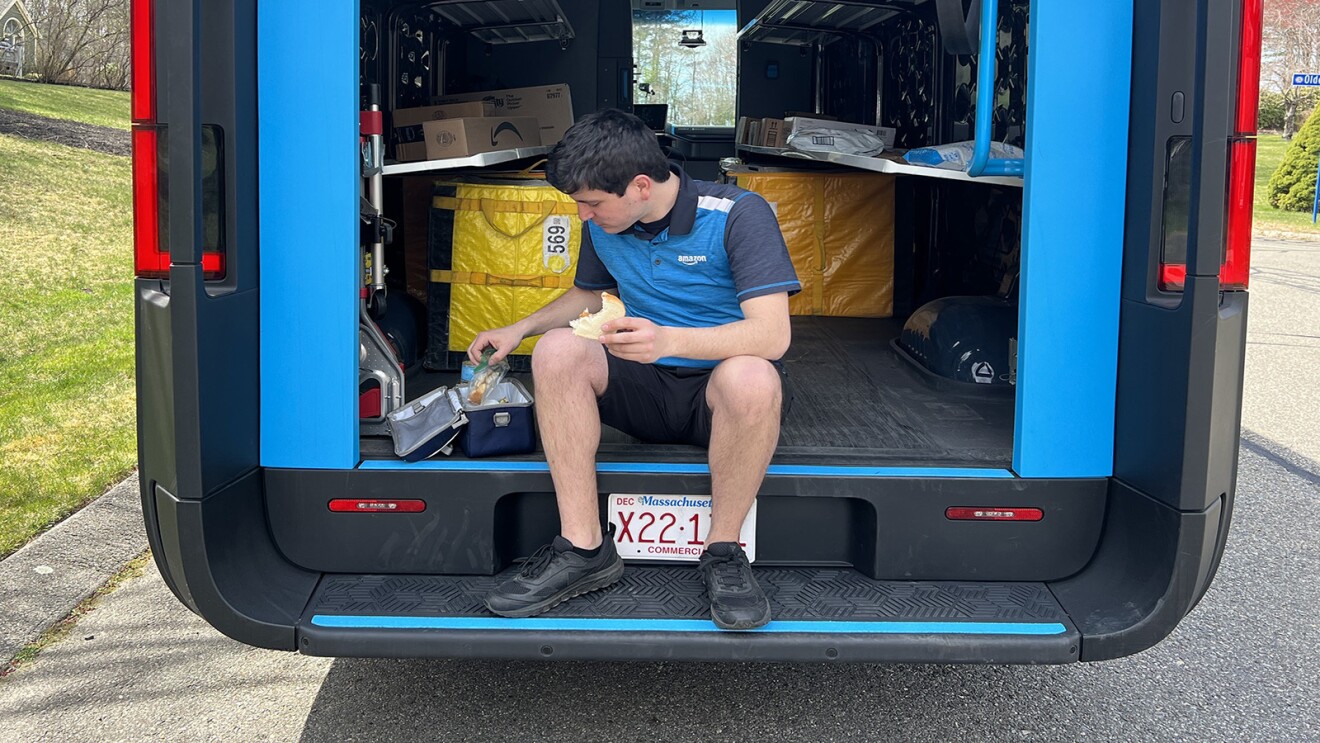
(839, 227)
(498, 251)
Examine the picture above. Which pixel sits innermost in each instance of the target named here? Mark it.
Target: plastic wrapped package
(958, 156)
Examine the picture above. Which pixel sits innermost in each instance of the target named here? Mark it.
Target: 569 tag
(555, 232)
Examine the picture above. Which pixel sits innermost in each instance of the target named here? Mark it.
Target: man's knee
(561, 354)
(745, 384)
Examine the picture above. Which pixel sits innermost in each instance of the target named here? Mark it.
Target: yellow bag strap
(490, 207)
(489, 279)
(527, 171)
(818, 285)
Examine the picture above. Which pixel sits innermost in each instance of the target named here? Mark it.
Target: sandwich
(588, 325)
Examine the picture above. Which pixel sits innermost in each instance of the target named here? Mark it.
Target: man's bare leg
(745, 396)
(570, 373)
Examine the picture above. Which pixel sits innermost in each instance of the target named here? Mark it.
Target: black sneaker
(553, 575)
(736, 601)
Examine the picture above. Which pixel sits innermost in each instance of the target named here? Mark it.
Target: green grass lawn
(66, 316)
(1267, 220)
(88, 105)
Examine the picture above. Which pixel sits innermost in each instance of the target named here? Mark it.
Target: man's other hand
(635, 339)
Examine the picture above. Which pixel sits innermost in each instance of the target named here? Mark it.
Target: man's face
(611, 213)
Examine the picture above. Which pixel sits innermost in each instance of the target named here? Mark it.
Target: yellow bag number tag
(554, 243)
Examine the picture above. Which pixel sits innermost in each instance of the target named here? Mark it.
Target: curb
(48, 577)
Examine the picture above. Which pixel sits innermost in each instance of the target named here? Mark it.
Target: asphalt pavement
(1240, 667)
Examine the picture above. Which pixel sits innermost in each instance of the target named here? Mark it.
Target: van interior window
(687, 59)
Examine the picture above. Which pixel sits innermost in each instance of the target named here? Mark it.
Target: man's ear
(643, 183)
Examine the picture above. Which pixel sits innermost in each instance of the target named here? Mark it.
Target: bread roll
(588, 325)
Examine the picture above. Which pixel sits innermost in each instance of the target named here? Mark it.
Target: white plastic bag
(958, 156)
(845, 141)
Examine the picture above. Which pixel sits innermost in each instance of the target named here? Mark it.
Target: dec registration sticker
(668, 527)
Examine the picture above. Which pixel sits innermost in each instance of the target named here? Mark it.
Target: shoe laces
(538, 562)
(728, 572)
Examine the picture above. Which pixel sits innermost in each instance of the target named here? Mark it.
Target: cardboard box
(552, 104)
(406, 117)
(743, 130)
(408, 135)
(885, 133)
(773, 133)
(472, 135)
(410, 152)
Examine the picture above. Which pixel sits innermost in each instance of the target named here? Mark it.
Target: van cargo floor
(813, 607)
(855, 401)
(856, 398)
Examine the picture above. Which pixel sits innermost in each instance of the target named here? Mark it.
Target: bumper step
(660, 613)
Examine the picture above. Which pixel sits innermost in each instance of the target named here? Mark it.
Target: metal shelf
(471, 161)
(810, 22)
(883, 164)
(506, 21)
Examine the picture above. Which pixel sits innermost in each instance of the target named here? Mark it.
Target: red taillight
(1242, 153)
(1248, 102)
(1241, 195)
(364, 505)
(1241, 186)
(144, 62)
(994, 514)
(150, 261)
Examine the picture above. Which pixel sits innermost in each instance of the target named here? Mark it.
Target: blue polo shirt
(721, 246)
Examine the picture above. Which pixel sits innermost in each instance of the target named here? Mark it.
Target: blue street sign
(1311, 79)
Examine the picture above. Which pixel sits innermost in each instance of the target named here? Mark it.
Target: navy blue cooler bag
(502, 424)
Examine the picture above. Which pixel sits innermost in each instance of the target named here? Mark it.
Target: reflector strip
(359, 505)
(994, 514)
(687, 625)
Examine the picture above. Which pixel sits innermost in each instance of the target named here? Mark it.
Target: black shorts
(665, 404)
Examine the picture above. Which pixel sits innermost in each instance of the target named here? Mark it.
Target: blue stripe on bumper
(685, 625)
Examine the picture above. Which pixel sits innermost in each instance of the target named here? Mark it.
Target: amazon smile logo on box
(471, 135)
(505, 126)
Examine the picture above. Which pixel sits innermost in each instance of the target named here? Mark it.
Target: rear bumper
(220, 557)
(768, 644)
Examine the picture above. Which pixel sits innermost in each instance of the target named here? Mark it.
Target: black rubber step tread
(676, 592)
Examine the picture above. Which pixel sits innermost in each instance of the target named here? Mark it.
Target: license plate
(668, 527)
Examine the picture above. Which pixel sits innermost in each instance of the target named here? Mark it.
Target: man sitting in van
(704, 277)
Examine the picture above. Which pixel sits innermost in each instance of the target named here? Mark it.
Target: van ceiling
(685, 5)
(507, 21)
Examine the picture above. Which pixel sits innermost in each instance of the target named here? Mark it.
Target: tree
(1290, 44)
(698, 84)
(83, 42)
(1292, 187)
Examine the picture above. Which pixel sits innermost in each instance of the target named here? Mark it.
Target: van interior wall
(415, 56)
(952, 238)
(771, 76)
(590, 64)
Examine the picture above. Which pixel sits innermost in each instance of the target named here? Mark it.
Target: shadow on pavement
(363, 699)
